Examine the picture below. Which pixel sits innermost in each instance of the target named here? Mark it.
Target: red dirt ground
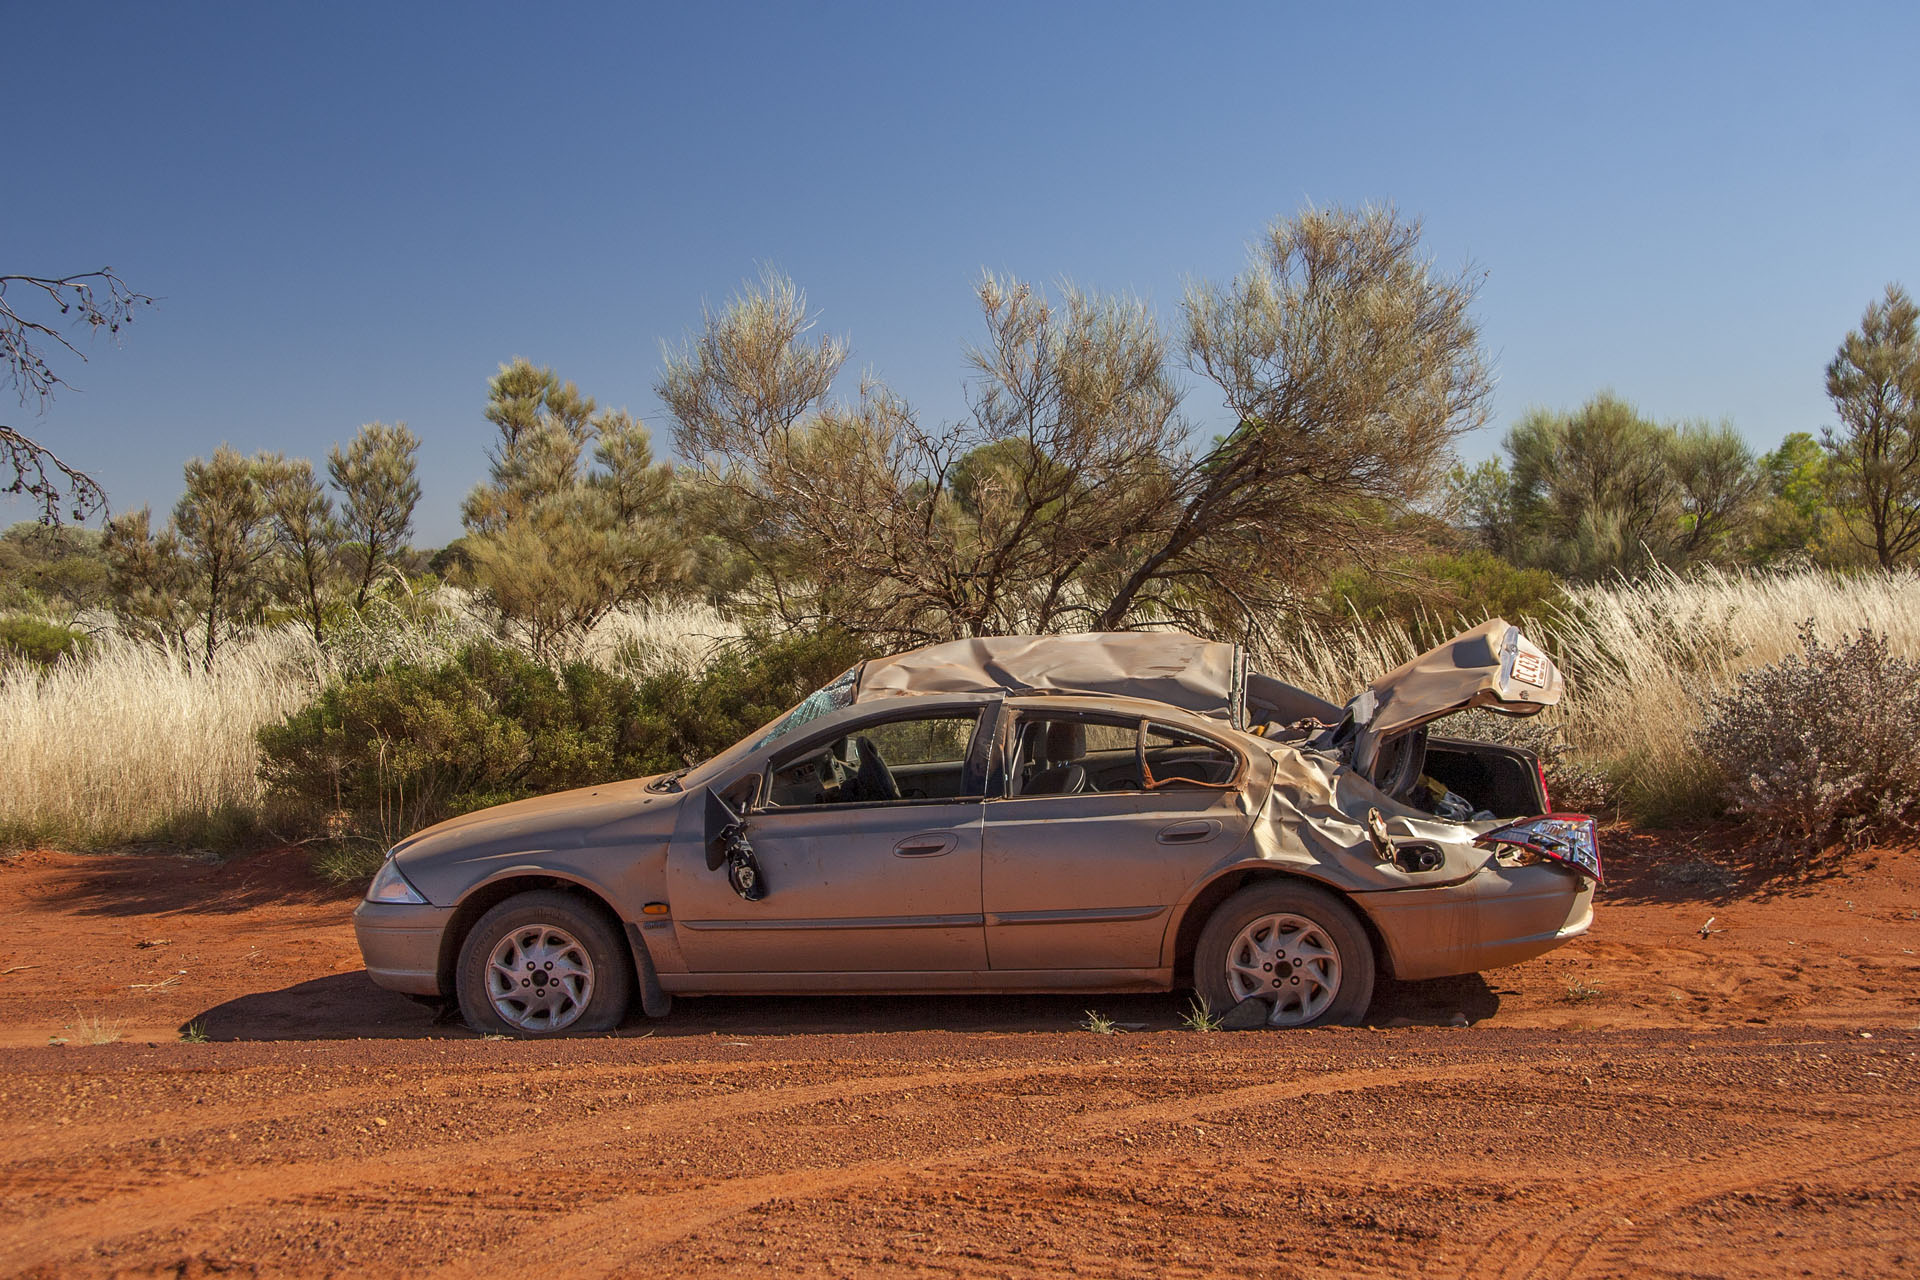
(1659, 1099)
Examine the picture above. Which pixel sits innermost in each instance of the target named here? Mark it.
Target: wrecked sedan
(1125, 812)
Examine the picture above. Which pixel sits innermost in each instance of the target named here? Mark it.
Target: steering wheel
(874, 779)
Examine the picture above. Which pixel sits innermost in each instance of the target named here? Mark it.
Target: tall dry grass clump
(137, 743)
(1644, 659)
(132, 743)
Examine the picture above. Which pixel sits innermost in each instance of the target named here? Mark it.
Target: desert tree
(555, 543)
(859, 512)
(306, 535)
(375, 476)
(98, 302)
(199, 575)
(1874, 452)
(1350, 366)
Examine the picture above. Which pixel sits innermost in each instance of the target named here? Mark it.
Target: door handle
(1189, 832)
(927, 846)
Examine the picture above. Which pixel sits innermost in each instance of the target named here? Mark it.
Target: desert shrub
(687, 717)
(1436, 596)
(1821, 749)
(40, 641)
(389, 750)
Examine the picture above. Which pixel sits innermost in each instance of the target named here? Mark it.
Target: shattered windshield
(819, 703)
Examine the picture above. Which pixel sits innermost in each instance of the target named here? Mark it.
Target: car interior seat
(1058, 755)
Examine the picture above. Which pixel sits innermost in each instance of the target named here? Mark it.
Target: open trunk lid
(1492, 666)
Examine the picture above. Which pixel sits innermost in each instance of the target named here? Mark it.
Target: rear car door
(861, 874)
(1088, 879)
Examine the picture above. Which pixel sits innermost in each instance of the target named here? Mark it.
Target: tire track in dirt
(603, 1239)
(1559, 1247)
(168, 1200)
(58, 1140)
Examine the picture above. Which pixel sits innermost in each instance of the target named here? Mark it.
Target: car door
(857, 881)
(1088, 880)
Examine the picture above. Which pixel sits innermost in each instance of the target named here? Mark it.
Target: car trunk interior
(1502, 780)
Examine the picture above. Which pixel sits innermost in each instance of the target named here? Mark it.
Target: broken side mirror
(726, 841)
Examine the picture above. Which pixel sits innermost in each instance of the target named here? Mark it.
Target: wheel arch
(489, 894)
(1207, 900)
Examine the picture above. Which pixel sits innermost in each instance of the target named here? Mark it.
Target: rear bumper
(1501, 916)
(400, 943)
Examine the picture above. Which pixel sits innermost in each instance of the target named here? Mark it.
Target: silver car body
(982, 885)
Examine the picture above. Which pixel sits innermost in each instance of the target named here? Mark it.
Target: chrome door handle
(1189, 832)
(924, 846)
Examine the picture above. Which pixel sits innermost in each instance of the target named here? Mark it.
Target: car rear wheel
(543, 963)
(1293, 947)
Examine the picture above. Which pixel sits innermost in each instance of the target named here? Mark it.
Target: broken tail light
(1566, 838)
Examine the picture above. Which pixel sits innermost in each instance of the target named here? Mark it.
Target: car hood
(563, 820)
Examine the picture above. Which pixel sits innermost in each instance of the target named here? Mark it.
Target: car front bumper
(1501, 916)
(401, 944)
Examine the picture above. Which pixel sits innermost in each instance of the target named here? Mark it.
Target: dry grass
(133, 744)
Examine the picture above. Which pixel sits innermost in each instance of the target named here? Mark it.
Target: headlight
(391, 886)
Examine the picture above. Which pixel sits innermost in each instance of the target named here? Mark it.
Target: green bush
(689, 718)
(1436, 596)
(40, 641)
(387, 751)
(1821, 750)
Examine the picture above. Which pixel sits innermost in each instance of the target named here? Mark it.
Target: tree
(199, 573)
(1874, 454)
(1071, 493)
(378, 491)
(99, 300)
(556, 547)
(1350, 367)
(1604, 490)
(307, 536)
(1796, 510)
(861, 513)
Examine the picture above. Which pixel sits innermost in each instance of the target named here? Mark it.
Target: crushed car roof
(1173, 667)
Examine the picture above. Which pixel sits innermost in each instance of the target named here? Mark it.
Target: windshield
(821, 702)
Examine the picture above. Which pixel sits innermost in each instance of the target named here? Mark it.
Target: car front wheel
(542, 963)
(1294, 948)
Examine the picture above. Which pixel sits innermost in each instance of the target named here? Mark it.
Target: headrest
(1066, 741)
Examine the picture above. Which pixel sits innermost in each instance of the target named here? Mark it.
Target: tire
(578, 977)
(1299, 930)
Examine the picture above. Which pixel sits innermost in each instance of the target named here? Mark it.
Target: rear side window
(1051, 754)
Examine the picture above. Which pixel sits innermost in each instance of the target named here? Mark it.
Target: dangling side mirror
(726, 838)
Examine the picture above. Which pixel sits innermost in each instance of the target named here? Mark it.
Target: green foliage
(40, 641)
(387, 751)
(1874, 455)
(1434, 596)
(555, 547)
(59, 569)
(1603, 490)
(1197, 1016)
(1664, 789)
(685, 719)
(378, 491)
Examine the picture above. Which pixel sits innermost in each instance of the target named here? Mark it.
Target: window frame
(1007, 759)
(973, 764)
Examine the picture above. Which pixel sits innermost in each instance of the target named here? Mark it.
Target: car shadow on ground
(345, 1006)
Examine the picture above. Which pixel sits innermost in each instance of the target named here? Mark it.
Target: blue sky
(355, 212)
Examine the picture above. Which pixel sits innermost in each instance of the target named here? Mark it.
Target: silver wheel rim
(539, 978)
(1288, 960)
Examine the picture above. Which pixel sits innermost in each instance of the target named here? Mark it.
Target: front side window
(916, 758)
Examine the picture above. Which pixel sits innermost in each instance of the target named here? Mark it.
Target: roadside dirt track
(1650, 1101)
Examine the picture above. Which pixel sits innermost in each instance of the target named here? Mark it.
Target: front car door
(866, 870)
(1087, 879)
